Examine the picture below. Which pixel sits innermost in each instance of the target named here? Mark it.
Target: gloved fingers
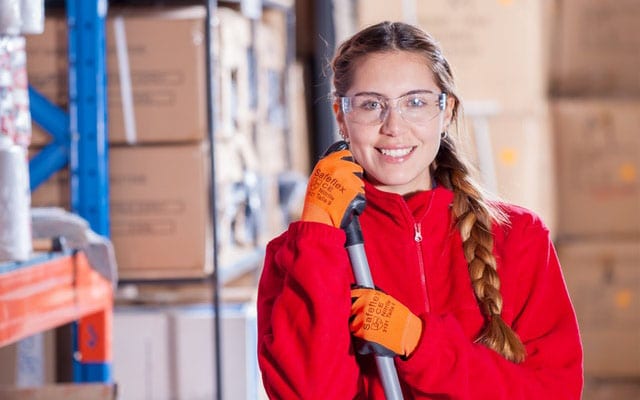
(381, 319)
(355, 323)
(361, 291)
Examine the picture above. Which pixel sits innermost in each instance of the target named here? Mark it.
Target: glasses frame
(346, 105)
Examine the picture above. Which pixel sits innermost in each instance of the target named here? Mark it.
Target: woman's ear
(337, 111)
(448, 112)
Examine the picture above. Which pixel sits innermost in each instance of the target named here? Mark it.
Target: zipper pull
(418, 234)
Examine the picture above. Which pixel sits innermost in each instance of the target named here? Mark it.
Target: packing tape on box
(124, 72)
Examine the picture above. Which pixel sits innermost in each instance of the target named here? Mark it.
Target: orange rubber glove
(335, 190)
(387, 326)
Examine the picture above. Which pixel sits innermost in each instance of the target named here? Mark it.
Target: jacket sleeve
(304, 345)
(447, 362)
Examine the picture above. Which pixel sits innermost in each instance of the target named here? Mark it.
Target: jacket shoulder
(521, 220)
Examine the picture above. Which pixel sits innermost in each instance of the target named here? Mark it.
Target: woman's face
(394, 153)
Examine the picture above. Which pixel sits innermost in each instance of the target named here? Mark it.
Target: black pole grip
(337, 146)
(354, 232)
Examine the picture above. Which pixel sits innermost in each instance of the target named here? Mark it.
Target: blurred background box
(166, 352)
(598, 166)
(160, 216)
(521, 168)
(29, 362)
(603, 277)
(141, 365)
(596, 48)
(156, 80)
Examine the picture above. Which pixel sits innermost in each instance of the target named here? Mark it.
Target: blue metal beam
(49, 116)
(50, 159)
(88, 112)
(56, 154)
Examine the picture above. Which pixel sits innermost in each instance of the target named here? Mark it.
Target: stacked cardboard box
(159, 154)
(596, 108)
(168, 352)
(157, 136)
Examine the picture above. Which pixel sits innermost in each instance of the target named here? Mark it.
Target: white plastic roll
(10, 17)
(15, 203)
(32, 14)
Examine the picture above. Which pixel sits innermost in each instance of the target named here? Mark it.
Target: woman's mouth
(396, 153)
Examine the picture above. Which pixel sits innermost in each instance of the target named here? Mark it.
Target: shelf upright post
(88, 165)
(211, 60)
(88, 112)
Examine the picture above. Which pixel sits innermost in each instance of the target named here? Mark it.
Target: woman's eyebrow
(376, 94)
(370, 94)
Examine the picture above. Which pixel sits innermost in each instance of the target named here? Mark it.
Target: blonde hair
(474, 214)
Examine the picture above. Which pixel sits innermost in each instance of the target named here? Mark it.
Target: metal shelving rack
(80, 141)
(56, 288)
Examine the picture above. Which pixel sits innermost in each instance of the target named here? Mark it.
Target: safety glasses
(416, 107)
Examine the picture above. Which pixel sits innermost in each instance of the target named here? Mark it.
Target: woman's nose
(391, 121)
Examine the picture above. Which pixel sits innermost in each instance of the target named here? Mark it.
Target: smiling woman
(396, 146)
(474, 303)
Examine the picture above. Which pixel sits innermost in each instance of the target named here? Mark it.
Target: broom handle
(362, 273)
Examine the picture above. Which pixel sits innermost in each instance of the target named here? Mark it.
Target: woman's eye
(416, 102)
(371, 105)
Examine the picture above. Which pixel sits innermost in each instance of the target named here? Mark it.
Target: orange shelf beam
(55, 292)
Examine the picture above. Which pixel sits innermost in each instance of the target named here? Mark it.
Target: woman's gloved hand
(386, 326)
(335, 190)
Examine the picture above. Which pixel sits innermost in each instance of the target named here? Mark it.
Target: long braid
(474, 218)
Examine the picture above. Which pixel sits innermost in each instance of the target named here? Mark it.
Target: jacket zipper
(417, 237)
(418, 233)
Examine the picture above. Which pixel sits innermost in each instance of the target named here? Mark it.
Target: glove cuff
(412, 334)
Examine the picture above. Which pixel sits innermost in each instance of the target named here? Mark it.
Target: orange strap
(336, 181)
(379, 318)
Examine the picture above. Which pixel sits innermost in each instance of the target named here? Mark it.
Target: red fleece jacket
(415, 255)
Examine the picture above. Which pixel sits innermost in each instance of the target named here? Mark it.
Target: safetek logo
(327, 182)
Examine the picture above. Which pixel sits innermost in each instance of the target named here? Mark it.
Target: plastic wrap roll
(10, 17)
(15, 202)
(32, 14)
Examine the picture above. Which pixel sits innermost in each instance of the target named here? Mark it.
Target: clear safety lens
(417, 108)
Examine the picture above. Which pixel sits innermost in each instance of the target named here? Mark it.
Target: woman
(473, 302)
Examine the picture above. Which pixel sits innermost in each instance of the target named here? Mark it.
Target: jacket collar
(418, 204)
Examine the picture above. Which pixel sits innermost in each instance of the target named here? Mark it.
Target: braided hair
(474, 215)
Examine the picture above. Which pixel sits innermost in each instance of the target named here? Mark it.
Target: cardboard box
(141, 353)
(160, 223)
(598, 164)
(497, 49)
(168, 352)
(605, 389)
(595, 48)
(193, 342)
(61, 391)
(156, 79)
(159, 206)
(29, 362)
(603, 279)
(514, 157)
